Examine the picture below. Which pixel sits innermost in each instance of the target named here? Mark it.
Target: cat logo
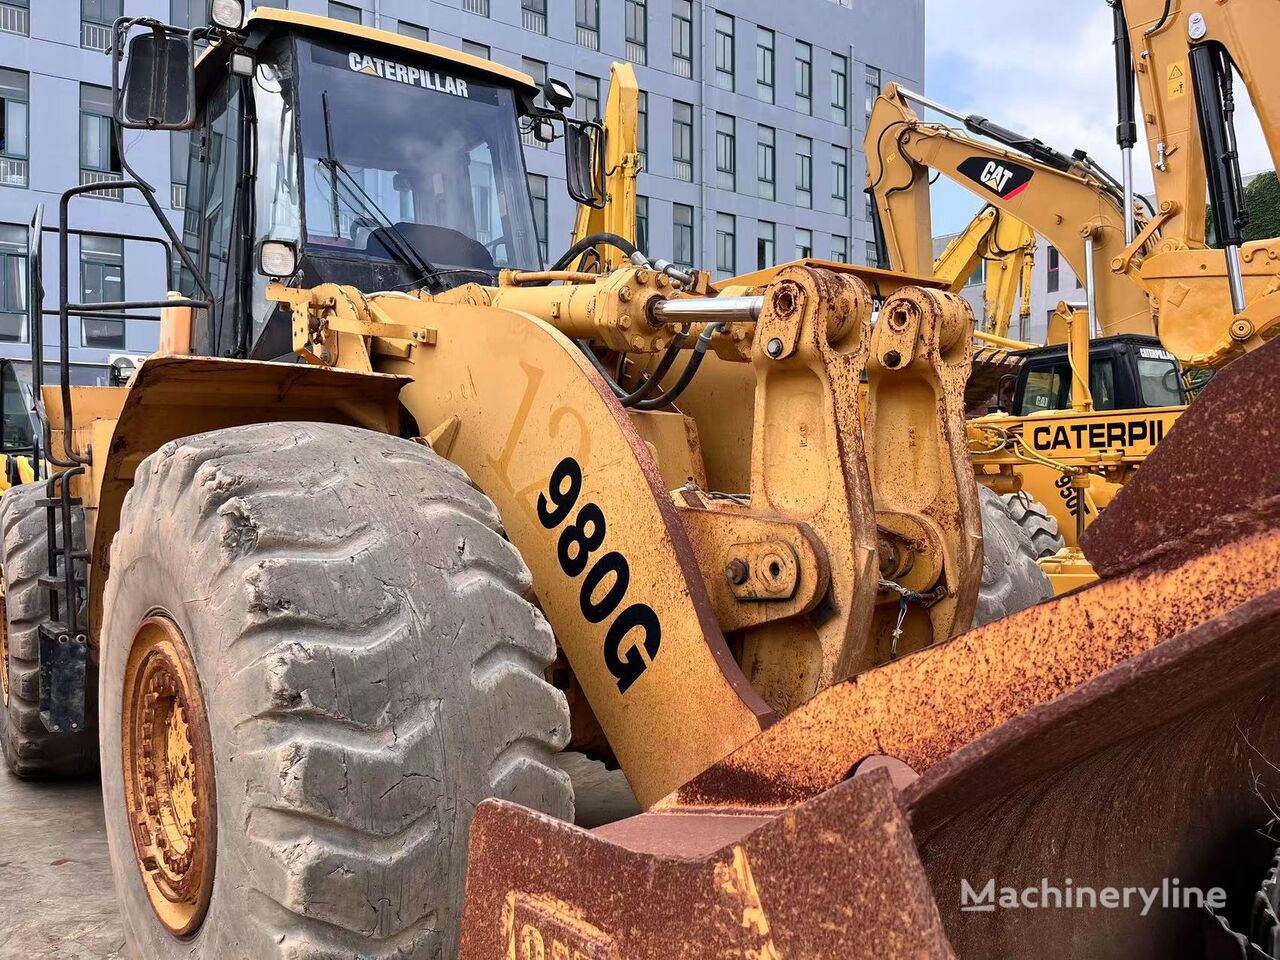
(1003, 178)
(413, 76)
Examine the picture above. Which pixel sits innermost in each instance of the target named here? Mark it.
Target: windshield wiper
(394, 240)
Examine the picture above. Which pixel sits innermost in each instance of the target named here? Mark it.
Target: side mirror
(580, 164)
(557, 93)
(158, 92)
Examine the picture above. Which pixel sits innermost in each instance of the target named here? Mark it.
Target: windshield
(434, 156)
(1160, 378)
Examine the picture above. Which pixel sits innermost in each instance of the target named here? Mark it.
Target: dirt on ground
(56, 894)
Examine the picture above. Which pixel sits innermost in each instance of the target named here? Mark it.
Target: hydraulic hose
(686, 377)
(586, 243)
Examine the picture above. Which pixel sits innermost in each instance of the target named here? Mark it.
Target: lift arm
(622, 165)
(1070, 205)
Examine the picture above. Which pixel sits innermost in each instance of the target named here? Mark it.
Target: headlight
(228, 14)
(277, 258)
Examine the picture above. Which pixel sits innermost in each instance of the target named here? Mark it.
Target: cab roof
(267, 19)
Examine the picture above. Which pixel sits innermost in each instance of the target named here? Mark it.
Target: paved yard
(56, 897)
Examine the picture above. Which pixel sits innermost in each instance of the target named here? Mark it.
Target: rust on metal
(1175, 504)
(838, 877)
(168, 775)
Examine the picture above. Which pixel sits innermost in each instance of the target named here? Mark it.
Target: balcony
(94, 36)
(682, 67)
(101, 176)
(479, 7)
(178, 196)
(683, 170)
(534, 22)
(13, 172)
(637, 53)
(588, 37)
(15, 20)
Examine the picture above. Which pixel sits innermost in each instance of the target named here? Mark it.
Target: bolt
(892, 359)
(774, 348)
(737, 572)
(325, 357)
(624, 322)
(625, 294)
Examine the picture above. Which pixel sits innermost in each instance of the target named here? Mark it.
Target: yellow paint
(1177, 80)
(736, 880)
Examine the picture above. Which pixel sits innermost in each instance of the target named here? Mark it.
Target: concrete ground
(56, 895)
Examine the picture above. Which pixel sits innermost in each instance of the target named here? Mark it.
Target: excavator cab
(1125, 373)
(355, 157)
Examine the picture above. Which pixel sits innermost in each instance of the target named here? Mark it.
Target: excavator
(1005, 250)
(389, 522)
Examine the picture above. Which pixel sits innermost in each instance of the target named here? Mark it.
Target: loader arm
(1069, 207)
(1213, 303)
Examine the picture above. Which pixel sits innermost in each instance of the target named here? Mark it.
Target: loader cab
(1125, 373)
(330, 153)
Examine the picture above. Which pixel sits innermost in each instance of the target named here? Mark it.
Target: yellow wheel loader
(397, 516)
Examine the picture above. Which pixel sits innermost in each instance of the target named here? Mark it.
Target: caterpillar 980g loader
(390, 521)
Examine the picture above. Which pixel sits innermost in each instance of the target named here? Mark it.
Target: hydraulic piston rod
(709, 309)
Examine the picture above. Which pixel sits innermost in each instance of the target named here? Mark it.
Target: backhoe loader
(389, 522)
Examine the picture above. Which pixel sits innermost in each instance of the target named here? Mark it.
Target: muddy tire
(31, 751)
(1011, 578)
(369, 669)
(1036, 522)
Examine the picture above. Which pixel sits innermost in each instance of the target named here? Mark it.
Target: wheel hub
(168, 775)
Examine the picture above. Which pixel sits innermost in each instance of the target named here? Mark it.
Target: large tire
(370, 669)
(1011, 576)
(1036, 522)
(30, 750)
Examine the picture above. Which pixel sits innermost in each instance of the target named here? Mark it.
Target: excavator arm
(1213, 303)
(1008, 247)
(621, 146)
(1070, 205)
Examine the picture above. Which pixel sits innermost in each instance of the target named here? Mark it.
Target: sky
(1041, 68)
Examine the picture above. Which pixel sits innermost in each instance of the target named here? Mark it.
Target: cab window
(1043, 391)
(1161, 383)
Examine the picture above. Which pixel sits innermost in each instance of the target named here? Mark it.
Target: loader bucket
(1083, 779)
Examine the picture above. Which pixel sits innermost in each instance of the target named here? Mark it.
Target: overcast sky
(1044, 69)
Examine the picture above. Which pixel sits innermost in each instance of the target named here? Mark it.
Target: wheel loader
(395, 518)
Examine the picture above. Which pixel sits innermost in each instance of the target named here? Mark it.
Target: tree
(1262, 200)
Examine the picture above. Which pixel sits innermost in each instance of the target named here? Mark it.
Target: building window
(840, 89)
(538, 71)
(15, 17)
(344, 11)
(804, 77)
(804, 243)
(839, 248)
(873, 87)
(642, 222)
(538, 191)
(873, 254)
(724, 51)
(15, 122)
(637, 31)
(13, 283)
(682, 235)
(179, 148)
(642, 129)
(407, 29)
(726, 241)
(682, 38)
(1054, 279)
(102, 281)
(764, 64)
(726, 150)
(766, 244)
(871, 206)
(99, 161)
(479, 7)
(96, 18)
(979, 276)
(682, 139)
(587, 90)
(840, 180)
(804, 172)
(480, 50)
(533, 16)
(767, 161)
(589, 24)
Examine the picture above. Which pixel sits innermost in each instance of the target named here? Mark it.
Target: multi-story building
(752, 121)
